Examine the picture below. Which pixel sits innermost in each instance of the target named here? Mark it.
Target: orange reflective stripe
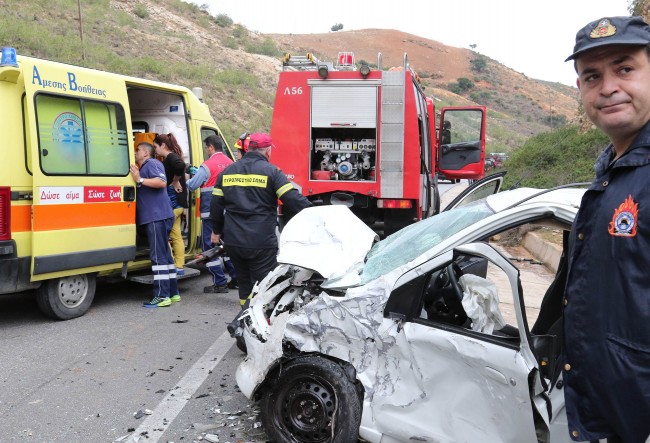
(21, 218)
(87, 215)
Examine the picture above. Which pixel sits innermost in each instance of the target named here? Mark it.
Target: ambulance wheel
(65, 298)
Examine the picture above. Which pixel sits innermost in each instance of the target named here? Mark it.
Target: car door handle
(496, 375)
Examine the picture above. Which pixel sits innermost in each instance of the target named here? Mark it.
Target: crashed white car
(425, 336)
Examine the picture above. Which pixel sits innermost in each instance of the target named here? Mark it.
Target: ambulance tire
(65, 298)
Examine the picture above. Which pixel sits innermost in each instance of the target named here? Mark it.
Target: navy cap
(611, 31)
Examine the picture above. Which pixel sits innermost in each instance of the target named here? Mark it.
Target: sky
(531, 37)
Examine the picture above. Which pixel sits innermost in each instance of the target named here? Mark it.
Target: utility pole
(81, 32)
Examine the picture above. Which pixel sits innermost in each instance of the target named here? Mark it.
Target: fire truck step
(147, 277)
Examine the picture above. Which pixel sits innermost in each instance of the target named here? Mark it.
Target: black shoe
(232, 284)
(214, 289)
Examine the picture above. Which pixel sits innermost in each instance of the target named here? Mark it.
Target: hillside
(173, 41)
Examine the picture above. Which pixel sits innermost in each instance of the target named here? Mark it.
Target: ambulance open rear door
(77, 129)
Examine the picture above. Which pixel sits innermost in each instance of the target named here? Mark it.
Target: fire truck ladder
(392, 132)
(300, 62)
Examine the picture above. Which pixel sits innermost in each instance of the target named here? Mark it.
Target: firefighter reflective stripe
(283, 189)
(160, 267)
(255, 180)
(218, 192)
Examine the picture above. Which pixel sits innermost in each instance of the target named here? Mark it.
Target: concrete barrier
(546, 252)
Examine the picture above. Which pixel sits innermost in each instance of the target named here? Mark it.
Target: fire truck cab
(368, 138)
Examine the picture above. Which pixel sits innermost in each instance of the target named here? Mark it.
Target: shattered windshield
(416, 239)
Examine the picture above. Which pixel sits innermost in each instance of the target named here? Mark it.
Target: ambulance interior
(160, 112)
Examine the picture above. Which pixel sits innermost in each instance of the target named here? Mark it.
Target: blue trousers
(214, 266)
(162, 262)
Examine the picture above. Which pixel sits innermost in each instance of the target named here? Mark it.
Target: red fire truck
(367, 138)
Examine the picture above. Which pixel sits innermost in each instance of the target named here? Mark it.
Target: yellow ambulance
(67, 200)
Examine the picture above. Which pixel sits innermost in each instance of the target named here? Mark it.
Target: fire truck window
(81, 137)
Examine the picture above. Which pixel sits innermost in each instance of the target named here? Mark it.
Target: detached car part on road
(409, 339)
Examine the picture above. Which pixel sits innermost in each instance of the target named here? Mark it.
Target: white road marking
(169, 407)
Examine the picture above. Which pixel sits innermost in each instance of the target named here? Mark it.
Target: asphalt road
(83, 380)
(124, 373)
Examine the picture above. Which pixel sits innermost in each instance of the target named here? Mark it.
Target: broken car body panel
(420, 382)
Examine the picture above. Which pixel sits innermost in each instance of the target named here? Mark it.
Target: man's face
(140, 155)
(613, 83)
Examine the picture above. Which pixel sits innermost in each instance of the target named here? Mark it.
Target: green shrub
(556, 158)
(478, 63)
(141, 10)
(230, 42)
(267, 47)
(223, 20)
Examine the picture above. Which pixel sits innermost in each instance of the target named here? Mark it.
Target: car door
(454, 384)
(480, 189)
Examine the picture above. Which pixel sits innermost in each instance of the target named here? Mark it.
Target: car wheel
(312, 400)
(65, 298)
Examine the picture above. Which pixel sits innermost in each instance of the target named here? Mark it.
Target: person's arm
(178, 169)
(201, 176)
(217, 205)
(292, 200)
(150, 182)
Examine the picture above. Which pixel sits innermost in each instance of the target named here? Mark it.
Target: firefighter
(242, 145)
(244, 210)
(206, 177)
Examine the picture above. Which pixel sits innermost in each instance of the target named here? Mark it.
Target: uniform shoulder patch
(624, 221)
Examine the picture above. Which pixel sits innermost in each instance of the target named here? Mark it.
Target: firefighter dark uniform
(607, 301)
(244, 208)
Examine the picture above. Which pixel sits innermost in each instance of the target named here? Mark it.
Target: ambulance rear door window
(81, 137)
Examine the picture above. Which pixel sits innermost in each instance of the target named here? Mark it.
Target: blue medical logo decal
(67, 128)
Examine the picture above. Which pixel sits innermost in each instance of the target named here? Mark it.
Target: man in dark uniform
(607, 300)
(244, 208)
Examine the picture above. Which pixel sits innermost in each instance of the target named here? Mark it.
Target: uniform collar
(636, 155)
(251, 154)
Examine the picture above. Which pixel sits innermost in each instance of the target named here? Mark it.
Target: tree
(472, 46)
(337, 27)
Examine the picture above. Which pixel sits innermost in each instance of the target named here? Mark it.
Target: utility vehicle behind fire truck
(368, 138)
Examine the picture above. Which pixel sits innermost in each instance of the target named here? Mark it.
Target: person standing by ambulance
(606, 368)
(167, 147)
(154, 212)
(205, 177)
(244, 211)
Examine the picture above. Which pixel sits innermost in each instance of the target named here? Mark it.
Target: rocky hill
(177, 42)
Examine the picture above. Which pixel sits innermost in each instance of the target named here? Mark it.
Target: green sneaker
(175, 298)
(158, 302)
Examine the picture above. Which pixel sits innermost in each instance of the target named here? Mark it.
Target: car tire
(312, 400)
(65, 298)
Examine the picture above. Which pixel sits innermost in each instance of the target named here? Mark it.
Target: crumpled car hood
(330, 240)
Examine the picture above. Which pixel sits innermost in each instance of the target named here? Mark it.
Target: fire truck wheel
(66, 297)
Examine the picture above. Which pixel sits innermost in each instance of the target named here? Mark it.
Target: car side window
(473, 294)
